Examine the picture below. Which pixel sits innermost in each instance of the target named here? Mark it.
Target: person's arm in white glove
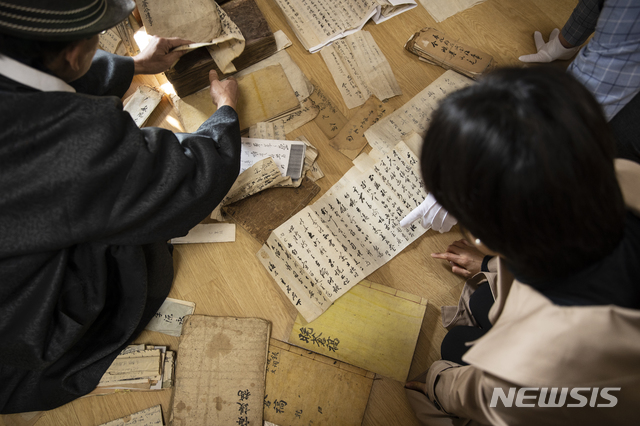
(556, 48)
(432, 216)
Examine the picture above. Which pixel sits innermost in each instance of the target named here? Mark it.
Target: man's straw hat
(61, 20)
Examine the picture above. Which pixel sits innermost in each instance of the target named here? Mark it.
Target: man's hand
(549, 52)
(223, 92)
(465, 259)
(158, 56)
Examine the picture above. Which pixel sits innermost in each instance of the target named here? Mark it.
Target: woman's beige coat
(536, 352)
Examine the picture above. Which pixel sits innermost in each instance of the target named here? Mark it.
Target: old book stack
(138, 367)
(191, 73)
(435, 47)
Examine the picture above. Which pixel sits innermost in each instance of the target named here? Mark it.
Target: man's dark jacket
(87, 204)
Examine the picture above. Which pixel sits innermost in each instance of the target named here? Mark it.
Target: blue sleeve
(582, 22)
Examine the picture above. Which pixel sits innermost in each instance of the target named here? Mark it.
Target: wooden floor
(227, 279)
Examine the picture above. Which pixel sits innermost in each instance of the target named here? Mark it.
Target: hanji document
(372, 326)
(149, 417)
(208, 233)
(329, 118)
(195, 20)
(415, 115)
(268, 85)
(288, 155)
(317, 23)
(170, 316)
(201, 21)
(277, 130)
(300, 84)
(435, 47)
(442, 9)
(305, 388)
(109, 41)
(141, 104)
(260, 176)
(350, 140)
(220, 371)
(360, 69)
(327, 248)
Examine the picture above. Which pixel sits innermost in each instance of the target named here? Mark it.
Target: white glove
(549, 52)
(432, 214)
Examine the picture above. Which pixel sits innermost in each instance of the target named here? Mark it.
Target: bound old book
(435, 47)
(191, 73)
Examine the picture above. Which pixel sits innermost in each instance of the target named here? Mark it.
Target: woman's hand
(158, 56)
(465, 259)
(417, 386)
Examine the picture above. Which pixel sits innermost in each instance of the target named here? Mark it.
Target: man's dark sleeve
(109, 75)
(172, 181)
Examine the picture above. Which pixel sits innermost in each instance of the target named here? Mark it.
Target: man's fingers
(213, 76)
(537, 38)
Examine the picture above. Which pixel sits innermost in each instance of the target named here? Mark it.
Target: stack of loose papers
(318, 24)
(139, 367)
(288, 155)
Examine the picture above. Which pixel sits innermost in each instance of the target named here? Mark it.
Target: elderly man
(89, 200)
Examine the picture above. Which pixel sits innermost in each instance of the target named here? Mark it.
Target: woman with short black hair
(525, 161)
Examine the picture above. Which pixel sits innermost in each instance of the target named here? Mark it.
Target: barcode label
(296, 160)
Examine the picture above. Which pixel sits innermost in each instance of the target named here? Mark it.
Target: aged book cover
(306, 388)
(220, 373)
(437, 48)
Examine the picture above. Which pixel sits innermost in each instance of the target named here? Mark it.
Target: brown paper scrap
(350, 140)
(329, 119)
(281, 203)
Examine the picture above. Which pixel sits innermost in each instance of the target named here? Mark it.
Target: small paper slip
(170, 316)
(208, 233)
(288, 155)
(149, 417)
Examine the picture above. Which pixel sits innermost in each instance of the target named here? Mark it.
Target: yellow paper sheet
(372, 327)
(263, 95)
(304, 388)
